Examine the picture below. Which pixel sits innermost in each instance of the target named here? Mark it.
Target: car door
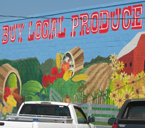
(81, 118)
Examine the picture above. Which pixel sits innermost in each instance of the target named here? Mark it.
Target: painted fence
(54, 96)
(101, 112)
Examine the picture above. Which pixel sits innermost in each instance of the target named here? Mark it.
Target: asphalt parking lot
(99, 126)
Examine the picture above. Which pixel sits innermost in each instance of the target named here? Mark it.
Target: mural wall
(90, 54)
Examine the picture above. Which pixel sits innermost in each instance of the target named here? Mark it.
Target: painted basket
(5, 71)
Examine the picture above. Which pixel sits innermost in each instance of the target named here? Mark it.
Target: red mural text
(6, 29)
(100, 22)
(84, 24)
(42, 30)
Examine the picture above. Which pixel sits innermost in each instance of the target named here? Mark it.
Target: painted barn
(133, 55)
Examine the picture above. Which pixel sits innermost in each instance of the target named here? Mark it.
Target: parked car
(131, 115)
(40, 114)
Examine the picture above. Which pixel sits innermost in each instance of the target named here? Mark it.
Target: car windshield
(42, 109)
(135, 111)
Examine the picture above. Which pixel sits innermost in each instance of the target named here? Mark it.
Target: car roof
(49, 102)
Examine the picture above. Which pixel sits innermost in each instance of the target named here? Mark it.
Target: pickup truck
(47, 114)
(131, 115)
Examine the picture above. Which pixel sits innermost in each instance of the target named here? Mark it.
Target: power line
(25, 17)
(46, 17)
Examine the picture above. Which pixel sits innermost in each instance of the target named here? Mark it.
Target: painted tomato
(65, 66)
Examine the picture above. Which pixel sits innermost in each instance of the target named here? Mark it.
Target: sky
(47, 48)
(35, 7)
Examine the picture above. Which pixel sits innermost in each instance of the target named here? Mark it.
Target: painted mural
(74, 60)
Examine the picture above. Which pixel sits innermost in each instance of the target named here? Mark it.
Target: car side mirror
(91, 119)
(111, 121)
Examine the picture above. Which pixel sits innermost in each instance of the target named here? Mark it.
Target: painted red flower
(54, 71)
(60, 75)
(45, 80)
(52, 79)
(55, 78)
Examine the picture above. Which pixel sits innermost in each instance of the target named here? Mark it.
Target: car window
(134, 111)
(80, 116)
(137, 112)
(41, 109)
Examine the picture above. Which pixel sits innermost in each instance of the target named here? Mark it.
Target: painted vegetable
(12, 80)
(79, 77)
(9, 108)
(13, 89)
(7, 93)
(11, 101)
(65, 66)
(67, 75)
(30, 88)
(1, 106)
(60, 75)
(47, 80)
(54, 71)
(36, 98)
(61, 56)
(17, 97)
(4, 110)
(58, 61)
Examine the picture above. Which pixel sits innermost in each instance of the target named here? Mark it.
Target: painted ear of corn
(67, 75)
(11, 101)
(58, 60)
(61, 56)
(80, 77)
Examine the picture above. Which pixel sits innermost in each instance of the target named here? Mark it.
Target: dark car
(131, 115)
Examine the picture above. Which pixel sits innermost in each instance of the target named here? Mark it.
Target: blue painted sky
(35, 7)
(92, 44)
